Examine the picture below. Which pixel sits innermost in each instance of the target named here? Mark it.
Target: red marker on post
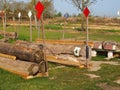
(39, 8)
(86, 12)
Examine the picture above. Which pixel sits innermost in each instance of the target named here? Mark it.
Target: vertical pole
(30, 30)
(82, 23)
(87, 31)
(38, 23)
(87, 46)
(64, 29)
(3, 25)
(43, 38)
(19, 26)
(5, 7)
(43, 33)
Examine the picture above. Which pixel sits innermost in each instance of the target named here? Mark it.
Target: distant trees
(21, 6)
(4, 7)
(59, 14)
(81, 4)
(49, 8)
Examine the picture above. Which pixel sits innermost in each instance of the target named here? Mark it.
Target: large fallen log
(57, 47)
(19, 67)
(61, 51)
(25, 53)
(22, 52)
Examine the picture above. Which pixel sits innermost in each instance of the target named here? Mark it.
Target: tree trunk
(82, 22)
(22, 52)
(35, 21)
(27, 52)
(19, 67)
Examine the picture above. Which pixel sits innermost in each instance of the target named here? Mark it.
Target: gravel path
(96, 64)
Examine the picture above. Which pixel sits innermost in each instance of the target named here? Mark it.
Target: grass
(23, 33)
(53, 27)
(67, 78)
(102, 35)
(94, 34)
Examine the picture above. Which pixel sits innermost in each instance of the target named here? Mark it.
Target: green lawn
(67, 78)
(94, 34)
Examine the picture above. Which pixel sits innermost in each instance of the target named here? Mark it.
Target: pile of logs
(26, 52)
(11, 35)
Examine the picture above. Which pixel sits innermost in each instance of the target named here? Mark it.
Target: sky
(105, 8)
(108, 8)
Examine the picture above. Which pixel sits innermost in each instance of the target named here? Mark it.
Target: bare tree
(81, 4)
(4, 6)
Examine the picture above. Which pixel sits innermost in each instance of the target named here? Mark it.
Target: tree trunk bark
(82, 23)
(19, 67)
(22, 52)
(27, 52)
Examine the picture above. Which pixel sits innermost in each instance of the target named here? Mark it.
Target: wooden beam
(64, 62)
(65, 42)
(8, 56)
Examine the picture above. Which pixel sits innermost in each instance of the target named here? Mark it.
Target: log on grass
(11, 35)
(22, 68)
(57, 49)
(22, 52)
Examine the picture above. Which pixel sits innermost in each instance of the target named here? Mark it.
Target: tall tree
(81, 4)
(49, 9)
(4, 6)
(48, 4)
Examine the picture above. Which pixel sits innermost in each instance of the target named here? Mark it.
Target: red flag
(39, 8)
(86, 12)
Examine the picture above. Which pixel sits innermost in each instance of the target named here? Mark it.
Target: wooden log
(19, 67)
(64, 62)
(8, 56)
(65, 42)
(22, 52)
(29, 45)
(11, 35)
(25, 53)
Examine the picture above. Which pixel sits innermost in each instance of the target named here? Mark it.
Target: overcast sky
(101, 8)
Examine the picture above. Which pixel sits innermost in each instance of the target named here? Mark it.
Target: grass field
(52, 33)
(66, 78)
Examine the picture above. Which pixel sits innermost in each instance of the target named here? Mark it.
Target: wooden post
(87, 39)
(19, 15)
(38, 23)
(64, 29)
(43, 38)
(3, 18)
(30, 30)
